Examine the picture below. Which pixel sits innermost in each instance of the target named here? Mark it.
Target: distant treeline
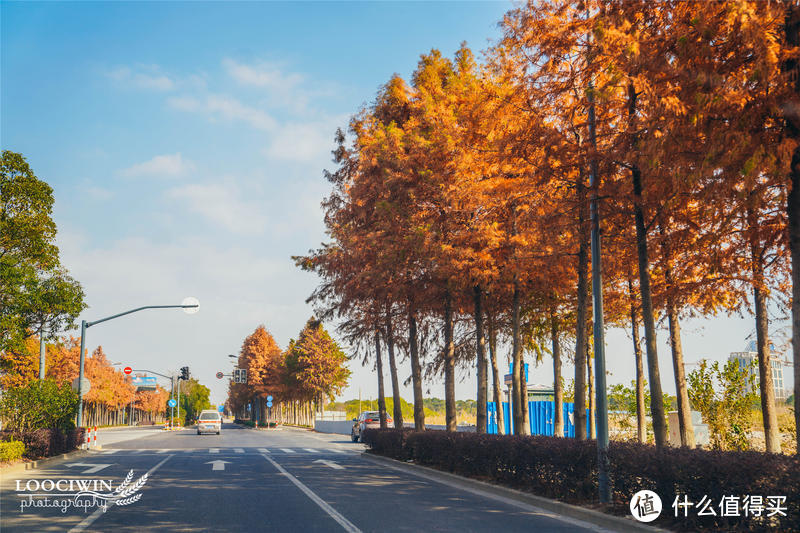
(433, 407)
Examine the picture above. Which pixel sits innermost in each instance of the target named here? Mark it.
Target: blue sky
(186, 141)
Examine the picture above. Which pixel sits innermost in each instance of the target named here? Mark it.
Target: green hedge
(11, 451)
(566, 470)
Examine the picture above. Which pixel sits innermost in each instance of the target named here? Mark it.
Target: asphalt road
(249, 480)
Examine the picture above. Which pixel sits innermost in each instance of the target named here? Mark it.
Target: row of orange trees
(460, 210)
(111, 399)
(299, 379)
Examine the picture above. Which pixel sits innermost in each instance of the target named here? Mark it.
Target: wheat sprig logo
(124, 494)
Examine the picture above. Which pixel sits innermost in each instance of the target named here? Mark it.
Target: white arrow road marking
(238, 450)
(213, 450)
(92, 467)
(333, 513)
(287, 450)
(330, 464)
(218, 464)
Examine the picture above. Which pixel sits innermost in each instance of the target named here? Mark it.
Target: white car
(209, 421)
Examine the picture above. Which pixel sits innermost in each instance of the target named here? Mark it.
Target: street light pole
(188, 304)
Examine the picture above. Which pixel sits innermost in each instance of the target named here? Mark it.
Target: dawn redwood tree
(317, 363)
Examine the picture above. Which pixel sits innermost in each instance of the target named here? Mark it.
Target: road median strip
(574, 512)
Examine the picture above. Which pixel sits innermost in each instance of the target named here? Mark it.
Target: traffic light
(239, 375)
(185, 373)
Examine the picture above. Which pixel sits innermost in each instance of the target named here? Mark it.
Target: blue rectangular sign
(144, 382)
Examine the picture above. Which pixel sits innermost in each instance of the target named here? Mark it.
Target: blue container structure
(540, 415)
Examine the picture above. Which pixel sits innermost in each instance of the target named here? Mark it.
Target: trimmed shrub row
(11, 451)
(46, 442)
(566, 470)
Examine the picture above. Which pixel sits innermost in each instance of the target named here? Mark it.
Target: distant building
(745, 360)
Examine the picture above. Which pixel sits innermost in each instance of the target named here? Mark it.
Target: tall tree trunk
(449, 365)
(581, 341)
(381, 397)
(517, 372)
(397, 407)
(793, 212)
(591, 395)
(480, 421)
(496, 392)
(523, 396)
(416, 370)
(684, 412)
(656, 395)
(792, 67)
(771, 434)
(558, 392)
(641, 422)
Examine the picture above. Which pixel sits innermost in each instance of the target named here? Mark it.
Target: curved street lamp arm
(89, 324)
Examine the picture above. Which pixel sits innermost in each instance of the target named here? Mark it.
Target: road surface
(254, 480)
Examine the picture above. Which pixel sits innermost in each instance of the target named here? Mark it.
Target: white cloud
(309, 142)
(221, 203)
(281, 89)
(168, 165)
(99, 193)
(225, 107)
(144, 77)
(262, 75)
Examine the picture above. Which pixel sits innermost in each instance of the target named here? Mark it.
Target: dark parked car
(367, 420)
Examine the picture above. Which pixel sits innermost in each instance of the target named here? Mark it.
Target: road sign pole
(179, 398)
(171, 397)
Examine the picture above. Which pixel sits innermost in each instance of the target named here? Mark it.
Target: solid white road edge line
(89, 520)
(344, 522)
(510, 501)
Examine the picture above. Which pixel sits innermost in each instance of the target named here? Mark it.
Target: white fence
(341, 427)
(334, 416)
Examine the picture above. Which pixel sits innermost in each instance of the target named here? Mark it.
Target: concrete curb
(21, 467)
(597, 518)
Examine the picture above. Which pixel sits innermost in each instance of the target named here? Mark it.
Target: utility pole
(601, 402)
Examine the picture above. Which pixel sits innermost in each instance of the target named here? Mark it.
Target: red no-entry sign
(219, 375)
(128, 370)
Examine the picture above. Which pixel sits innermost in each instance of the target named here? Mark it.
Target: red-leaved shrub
(46, 442)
